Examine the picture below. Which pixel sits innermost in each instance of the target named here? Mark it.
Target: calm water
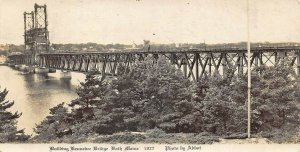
(34, 94)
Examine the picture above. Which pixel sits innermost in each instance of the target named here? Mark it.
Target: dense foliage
(8, 122)
(224, 108)
(154, 94)
(274, 102)
(54, 126)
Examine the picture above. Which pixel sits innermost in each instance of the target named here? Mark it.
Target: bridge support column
(240, 64)
(255, 57)
(281, 56)
(298, 64)
(275, 57)
(224, 63)
(185, 68)
(197, 66)
(261, 62)
(209, 56)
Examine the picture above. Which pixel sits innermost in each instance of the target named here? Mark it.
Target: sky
(160, 21)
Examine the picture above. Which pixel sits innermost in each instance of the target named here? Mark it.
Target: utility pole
(249, 72)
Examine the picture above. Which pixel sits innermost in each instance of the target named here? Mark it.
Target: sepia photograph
(149, 75)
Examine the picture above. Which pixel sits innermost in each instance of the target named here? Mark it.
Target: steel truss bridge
(195, 63)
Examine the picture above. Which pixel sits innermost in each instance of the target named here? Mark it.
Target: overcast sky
(160, 21)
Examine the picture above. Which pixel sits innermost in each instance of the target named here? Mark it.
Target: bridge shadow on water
(45, 81)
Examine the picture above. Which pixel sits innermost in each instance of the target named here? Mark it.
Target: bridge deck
(209, 50)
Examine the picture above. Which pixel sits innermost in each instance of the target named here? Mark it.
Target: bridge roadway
(195, 63)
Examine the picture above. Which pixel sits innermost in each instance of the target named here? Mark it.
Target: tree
(57, 125)
(161, 87)
(146, 97)
(224, 105)
(8, 122)
(274, 102)
(90, 91)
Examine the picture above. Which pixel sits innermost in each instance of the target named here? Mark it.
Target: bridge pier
(26, 68)
(23, 67)
(65, 74)
(17, 66)
(52, 70)
(29, 69)
(41, 70)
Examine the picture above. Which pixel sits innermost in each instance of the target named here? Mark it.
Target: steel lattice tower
(36, 34)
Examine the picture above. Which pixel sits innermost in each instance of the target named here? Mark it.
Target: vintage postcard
(149, 75)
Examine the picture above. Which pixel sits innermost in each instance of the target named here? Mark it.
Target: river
(35, 94)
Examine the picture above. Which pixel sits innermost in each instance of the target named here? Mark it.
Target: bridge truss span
(194, 63)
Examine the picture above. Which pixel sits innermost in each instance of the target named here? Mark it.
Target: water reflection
(35, 94)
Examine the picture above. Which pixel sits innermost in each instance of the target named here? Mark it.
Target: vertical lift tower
(36, 34)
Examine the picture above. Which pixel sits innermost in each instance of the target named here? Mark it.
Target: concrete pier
(23, 67)
(41, 70)
(11, 64)
(17, 66)
(29, 69)
(65, 75)
(51, 70)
